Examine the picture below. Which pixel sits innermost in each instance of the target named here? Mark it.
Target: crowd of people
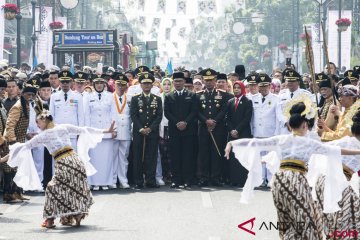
(173, 130)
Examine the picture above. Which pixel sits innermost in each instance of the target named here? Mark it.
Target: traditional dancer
(291, 190)
(348, 218)
(67, 195)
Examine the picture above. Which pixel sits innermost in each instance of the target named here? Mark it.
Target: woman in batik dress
(299, 216)
(67, 195)
(348, 218)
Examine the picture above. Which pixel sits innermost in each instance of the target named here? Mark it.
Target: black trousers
(148, 166)
(238, 174)
(210, 160)
(182, 159)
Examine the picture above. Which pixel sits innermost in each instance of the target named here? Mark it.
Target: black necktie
(32, 103)
(65, 96)
(54, 91)
(263, 99)
(291, 95)
(120, 99)
(99, 96)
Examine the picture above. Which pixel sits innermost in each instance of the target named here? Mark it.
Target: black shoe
(174, 185)
(152, 185)
(138, 186)
(187, 186)
(264, 184)
(217, 183)
(203, 184)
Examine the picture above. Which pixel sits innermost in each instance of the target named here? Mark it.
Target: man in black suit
(238, 119)
(212, 108)
(180, 109)
(146, 114)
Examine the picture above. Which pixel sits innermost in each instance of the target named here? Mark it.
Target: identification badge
(73, 101)
(92, 100)
(57, 100)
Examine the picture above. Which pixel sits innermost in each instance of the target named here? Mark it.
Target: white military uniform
(99, 114)
(70, 111)
(284, 96)
(121, 110)
(264, 120)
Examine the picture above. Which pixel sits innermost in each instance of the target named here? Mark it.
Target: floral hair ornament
(310, 107)
(44, 114)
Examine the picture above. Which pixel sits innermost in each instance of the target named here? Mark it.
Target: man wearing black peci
(146, 114)
(212, 109)
(180, 109)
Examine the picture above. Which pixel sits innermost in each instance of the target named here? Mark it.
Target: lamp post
(339, 37)
(18, 36)
(33, 36)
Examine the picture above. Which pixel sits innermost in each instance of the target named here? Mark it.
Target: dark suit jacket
(181, 108)
(144, 115)
(240, 119)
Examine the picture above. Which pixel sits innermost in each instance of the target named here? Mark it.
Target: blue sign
(84, 38)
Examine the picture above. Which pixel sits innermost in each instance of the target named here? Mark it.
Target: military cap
(146, 77)
(65, 75)
(263, 79)
(121, 79)
(352, 75)
(31, 86)
(81, 77)
(251, 78)
(178, 75)
(35, 82)
(240, 70)
(189, 80)
(208, 74)
(291, 75)
(320, 77)
(45, 84)
(141, 69)
(344, 82)
(99, 78)
(221, 76)
(3, 83)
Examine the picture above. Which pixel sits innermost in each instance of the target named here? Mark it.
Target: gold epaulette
(137, 94)
(221, 90)
(201, 91)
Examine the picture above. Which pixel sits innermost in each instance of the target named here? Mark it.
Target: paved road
(197, 214)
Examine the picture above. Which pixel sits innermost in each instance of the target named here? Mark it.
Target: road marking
(206, 200)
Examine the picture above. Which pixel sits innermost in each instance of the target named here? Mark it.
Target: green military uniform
(212, 106)
(146, 112)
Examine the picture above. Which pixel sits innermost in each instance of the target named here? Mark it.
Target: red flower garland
(10, 8)
(343, 22)
(56, 25)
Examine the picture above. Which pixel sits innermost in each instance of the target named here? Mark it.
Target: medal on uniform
(140, 110)
(202, 97)
(203, 106)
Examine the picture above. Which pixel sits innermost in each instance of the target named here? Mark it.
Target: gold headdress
(310, 106)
